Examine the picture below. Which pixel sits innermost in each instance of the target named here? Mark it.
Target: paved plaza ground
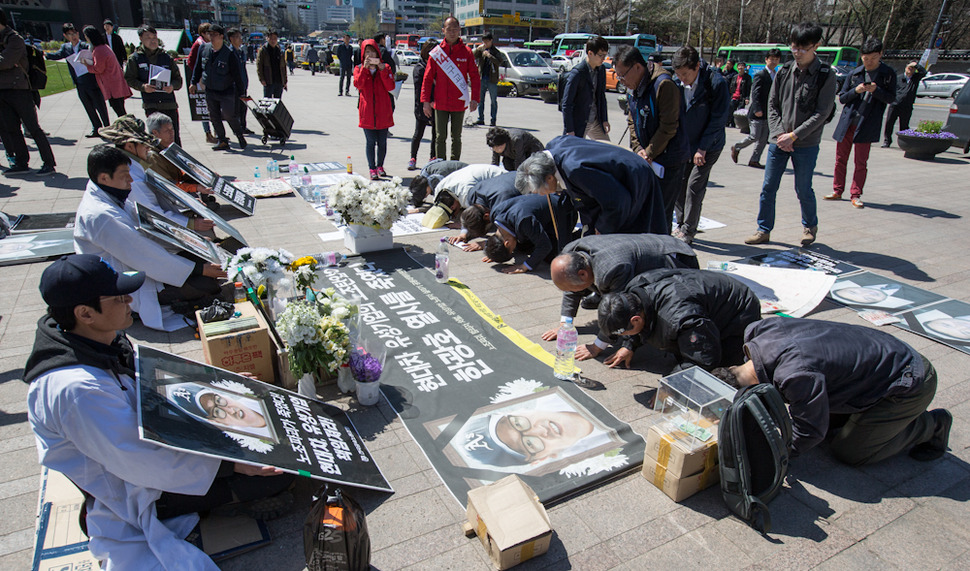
(896, 514)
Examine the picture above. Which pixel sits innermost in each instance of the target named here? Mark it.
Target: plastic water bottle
(317, 196)
(258, 177)
(294, 172)
(240, 294)
(441, 262)
(350, 166)
(565, 350)
(329, 259)
(270, 166)
(307, 181)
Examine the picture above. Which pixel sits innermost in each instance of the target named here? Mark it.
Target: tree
(365, 27)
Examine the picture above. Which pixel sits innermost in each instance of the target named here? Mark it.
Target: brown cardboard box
(679, 488)
(665, 448)
(510, 521)
(250, 351)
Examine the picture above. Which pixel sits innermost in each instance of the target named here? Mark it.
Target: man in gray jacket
(800, 102)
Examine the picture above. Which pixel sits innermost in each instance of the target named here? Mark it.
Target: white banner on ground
(781, 290)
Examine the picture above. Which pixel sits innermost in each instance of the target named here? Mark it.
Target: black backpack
(754, 442)
(37, 73)
(824, 69)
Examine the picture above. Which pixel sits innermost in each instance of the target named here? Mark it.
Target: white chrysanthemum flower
(606, 462)
(235, 386)
(518, 388)
(251, 443)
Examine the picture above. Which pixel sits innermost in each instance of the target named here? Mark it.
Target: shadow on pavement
(921, 211)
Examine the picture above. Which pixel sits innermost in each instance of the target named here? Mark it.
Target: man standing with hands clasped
(799, 104)
(451, 68)
(865, 94)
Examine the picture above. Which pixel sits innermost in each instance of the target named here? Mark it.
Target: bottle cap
(238, 284)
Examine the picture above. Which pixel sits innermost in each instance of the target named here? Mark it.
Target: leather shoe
(833, 196)
(808, 235)
(734, 154)
(756, 164)
(886, 145)
(936, 446)
(857, 202)
(591, 301)
(222, 146)
(758, 237)
(211, 139)
(92, 135)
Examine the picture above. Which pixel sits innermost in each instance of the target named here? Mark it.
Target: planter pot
(624, 106)
(503, 90)
(922, 148)
(368, 393)
(548, 95)
(361, 239)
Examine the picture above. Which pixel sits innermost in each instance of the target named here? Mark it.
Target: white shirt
(461, 182)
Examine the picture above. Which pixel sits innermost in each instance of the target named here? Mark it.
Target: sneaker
(886, 145)
(46, 170)
(413, 165)
(833, 196)
(492, 124)
(222, 146)
(734, 154)
(937, 444)
(591, 301)
(756, 164)
(374, 175)
(380, 172)
(808, 235)
(340, 94)
(17, 169)
(857, 202)
(758, 237)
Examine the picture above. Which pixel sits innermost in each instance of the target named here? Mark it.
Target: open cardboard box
(509, 520)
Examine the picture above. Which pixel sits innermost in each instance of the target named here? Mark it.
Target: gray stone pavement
(898, 513)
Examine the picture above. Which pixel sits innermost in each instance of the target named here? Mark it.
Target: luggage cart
(273, 117)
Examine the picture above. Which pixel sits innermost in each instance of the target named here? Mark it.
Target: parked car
(613, 83)
(958, 121)
(546, 56)
(561, 63)
(942, 85)
(841, 74)
(525, 70)
(406, 57)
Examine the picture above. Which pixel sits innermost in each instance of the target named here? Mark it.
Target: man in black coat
(115, 42)
(829, 371)
(87, 86)
(218, 74)
(902, 107)
(697, 315)
(585, 91)
(758, 111)
(511, 146)
(613, 189)
(527, 224)
(865, 94)
(600, 264)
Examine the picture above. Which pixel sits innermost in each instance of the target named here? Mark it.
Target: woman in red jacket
(374, 81)
(107, 71)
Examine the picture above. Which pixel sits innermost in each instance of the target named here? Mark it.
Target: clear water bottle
(329, 259)
(565, 350)
(306, 180)
(441, 262)
(270, 167)
(317, 195)
(294, 172)
(258, 177)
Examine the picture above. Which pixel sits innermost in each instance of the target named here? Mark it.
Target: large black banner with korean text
(205, 410)
(480, 399)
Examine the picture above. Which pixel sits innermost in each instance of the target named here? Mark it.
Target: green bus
(539, 45)
(753, 55)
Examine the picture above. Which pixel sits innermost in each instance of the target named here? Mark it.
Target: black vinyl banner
(204, 410)
(480, 399)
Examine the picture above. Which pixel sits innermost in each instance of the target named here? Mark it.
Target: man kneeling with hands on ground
(141, 498)
(864, 388)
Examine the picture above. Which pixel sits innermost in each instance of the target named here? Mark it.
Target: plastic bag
(335, 534)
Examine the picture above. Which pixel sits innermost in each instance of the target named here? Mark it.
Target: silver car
(942, 85)
(958, 120)
(526, 70)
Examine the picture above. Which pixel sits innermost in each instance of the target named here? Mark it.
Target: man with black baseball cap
(82, 408)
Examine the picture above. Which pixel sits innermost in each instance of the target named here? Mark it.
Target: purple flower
(940, 135)
(364, 366)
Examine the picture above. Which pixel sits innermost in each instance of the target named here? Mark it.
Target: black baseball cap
(80, 278)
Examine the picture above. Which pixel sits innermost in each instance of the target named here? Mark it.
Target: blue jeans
(376, 144)
(492, 89)
(803, 162)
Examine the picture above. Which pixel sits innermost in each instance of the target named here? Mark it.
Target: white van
(526, 70)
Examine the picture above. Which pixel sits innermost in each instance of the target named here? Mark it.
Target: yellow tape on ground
(521, 341)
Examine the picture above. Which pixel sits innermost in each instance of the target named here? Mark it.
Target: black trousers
(173, 114)
(900, 112)
(224, 490)
(222, 106)
(241, 111)
(118, 106)
(16, 107)
(93, 102)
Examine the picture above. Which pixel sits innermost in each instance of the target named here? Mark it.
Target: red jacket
(108, 74)
(446, 95)
(374, 105)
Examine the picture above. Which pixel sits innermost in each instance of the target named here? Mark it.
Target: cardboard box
(510, 521)
(250, 351)
(679, 489)
(667, 450)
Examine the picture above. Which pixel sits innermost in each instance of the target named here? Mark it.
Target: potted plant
(505, 88)
(369, 208)
(926, 141)
(549, 93)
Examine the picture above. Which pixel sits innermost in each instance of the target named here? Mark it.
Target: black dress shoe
(92, 135)
(936, 446)
(591, 301)
(885, 145)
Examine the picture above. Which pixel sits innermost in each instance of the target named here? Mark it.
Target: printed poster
(947, 322)
(872, 291)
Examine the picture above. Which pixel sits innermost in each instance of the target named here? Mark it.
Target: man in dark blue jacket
(217, 73)
(482, 199)
(613, 190)
(345, 55)
(758, 111)
(708, 103)
(865, 94)
(533, 225)
(235, 40)
(902, 107)
(827, 371)
(87, 86)
(584, 94)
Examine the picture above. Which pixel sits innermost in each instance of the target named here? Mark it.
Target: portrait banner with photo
(195, 169)
(479, 398)
(198, 408)
(947, 322)
(170, 232)
(872, 291)
(187, 201)
(800, 259)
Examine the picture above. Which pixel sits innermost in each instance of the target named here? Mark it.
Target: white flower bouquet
(370, 203)
(314, 341)
(263, 266)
